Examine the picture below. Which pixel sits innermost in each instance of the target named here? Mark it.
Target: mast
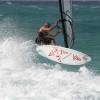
(67, 23)
(63, 26)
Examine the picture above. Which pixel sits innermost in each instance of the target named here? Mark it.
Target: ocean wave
(95, 7)
(9, 3)
(1, 15)
(8, 28)
(34, 6)
(22, 78)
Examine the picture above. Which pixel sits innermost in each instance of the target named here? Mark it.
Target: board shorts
(43, 39)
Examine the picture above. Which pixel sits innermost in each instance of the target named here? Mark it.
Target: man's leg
(53, 42)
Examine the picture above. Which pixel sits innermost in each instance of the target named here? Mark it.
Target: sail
(65, 7)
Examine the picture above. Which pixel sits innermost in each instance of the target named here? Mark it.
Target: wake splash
(21, 78)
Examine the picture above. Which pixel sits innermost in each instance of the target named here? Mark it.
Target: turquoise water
(24, 75)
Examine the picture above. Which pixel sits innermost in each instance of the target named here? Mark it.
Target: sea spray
(23, 79)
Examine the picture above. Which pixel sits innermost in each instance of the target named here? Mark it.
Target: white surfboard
(63, 55)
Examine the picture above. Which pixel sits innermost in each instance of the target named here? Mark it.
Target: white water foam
(22, 79)
(8, 28)
(95, 7)
(9, 3)
(34, 6)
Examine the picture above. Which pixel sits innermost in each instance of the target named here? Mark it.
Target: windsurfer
(45, 34)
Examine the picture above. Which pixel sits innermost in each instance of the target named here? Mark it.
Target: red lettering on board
(76, 57)
(58, 53)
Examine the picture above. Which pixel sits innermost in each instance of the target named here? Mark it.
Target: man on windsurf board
(45, 34)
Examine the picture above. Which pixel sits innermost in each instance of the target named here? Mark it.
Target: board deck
(63, 55)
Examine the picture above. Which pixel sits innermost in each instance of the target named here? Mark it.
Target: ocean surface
(24, 75)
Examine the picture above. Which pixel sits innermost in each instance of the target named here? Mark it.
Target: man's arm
(53, 26)
(44, 29)
(48, 29)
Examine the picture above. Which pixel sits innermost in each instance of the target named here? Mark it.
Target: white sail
(66, 16)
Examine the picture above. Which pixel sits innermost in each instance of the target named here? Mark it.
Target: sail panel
(67, 23)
